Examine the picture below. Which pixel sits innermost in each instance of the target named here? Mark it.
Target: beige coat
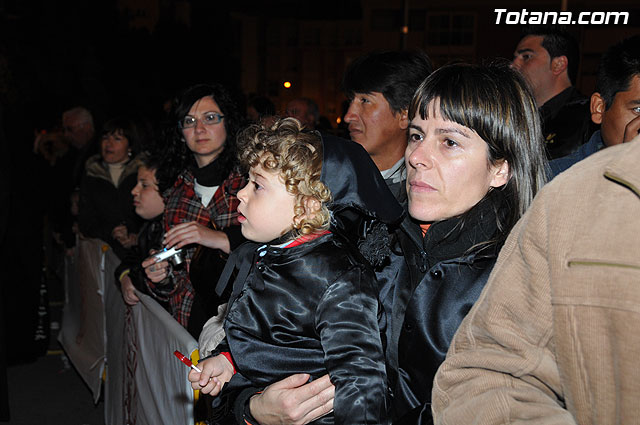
(555, 335)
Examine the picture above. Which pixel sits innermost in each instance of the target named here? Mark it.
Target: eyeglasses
(210, 118)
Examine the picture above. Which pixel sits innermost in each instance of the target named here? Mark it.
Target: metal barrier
(145, 383)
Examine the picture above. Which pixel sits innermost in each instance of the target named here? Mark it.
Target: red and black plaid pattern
(183, 205)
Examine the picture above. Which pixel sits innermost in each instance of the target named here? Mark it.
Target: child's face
(146, 198)
(266, 208)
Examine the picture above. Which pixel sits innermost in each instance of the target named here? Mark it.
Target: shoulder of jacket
(94, 167)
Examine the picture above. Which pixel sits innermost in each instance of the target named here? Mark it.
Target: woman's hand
(128, 291)
(155, 271)
(216, 371)
(193, 232)
(293, 401)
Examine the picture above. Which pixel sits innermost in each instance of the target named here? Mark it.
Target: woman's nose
(421, 156)
(199, 125)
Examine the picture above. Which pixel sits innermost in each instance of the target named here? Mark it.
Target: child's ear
(311, 207)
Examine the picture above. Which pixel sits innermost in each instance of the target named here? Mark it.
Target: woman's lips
(421, 187)
(241, 219)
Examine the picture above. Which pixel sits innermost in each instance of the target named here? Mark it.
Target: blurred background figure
(78, 126)
(304, 110)
(260, 108)
(51, 145)
(106, 204)
(79, 130)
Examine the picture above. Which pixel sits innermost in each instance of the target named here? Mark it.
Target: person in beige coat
(555, 335)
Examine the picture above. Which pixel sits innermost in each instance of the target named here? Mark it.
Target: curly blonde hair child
(296, 155)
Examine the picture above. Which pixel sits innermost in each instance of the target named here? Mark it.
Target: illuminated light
(338, 120)
(405, 29)
(287, 84)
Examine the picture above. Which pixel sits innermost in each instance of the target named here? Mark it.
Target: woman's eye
(256, 186)
(450, 143)
(415, 137)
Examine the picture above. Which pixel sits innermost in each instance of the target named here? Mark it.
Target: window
(448, 29)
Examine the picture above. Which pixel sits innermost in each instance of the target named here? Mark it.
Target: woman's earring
(129, 153)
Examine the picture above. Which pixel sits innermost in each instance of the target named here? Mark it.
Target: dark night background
(101, 54)
(54, 55)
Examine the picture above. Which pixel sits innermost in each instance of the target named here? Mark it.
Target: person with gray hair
(78, 127)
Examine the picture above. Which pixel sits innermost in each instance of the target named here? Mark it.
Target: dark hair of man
(177, 155)
(618, 65)
(496, 103)
(395, 74)
(557, 41)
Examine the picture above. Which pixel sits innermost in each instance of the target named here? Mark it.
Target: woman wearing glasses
(201, 206)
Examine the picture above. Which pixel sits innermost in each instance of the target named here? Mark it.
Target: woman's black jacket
(430, 287)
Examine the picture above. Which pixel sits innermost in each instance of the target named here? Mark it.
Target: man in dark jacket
(548, 57)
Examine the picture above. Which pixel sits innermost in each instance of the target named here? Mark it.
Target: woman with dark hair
(475, 160)
(105, 209)
(201, 205)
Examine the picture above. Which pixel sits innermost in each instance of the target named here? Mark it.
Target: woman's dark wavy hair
(177, 156)
(495, 102)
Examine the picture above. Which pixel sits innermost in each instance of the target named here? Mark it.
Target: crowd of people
(424, 271)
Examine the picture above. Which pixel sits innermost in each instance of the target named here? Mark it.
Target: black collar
(212, 174)
(458, 236)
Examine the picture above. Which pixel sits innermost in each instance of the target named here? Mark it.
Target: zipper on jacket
(587, 263)
(622, 182)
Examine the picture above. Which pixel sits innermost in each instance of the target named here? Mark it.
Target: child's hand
(128, 291)
(216, 371)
